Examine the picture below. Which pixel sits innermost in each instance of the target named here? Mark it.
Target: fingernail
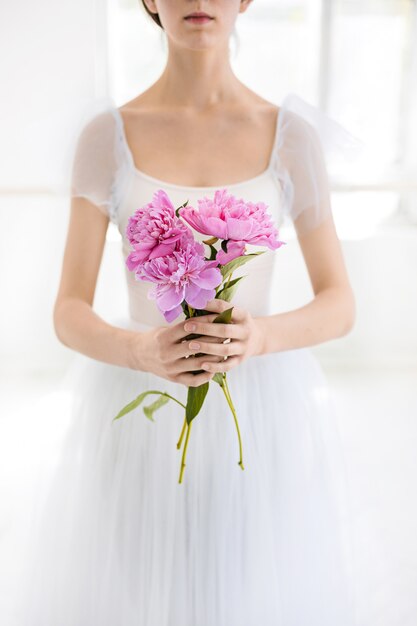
(189, 327)
(194, 345)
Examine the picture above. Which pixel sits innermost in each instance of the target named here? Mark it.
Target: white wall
(49, 71)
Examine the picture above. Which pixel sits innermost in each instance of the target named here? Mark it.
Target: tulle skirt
(120, 542)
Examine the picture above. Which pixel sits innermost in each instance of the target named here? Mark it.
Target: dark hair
(154, 16)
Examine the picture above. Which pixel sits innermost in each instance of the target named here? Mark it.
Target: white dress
(120, 542)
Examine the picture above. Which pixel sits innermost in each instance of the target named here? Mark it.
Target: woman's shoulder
(143, 105)
(100, 133)
(98, 122)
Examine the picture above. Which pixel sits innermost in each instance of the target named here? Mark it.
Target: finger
(238, 314)
(194, 380)
(217, 305)
(231, 348)
(193, 363)
(221, 366)
(186, 335)
(206, 339)
(180, 333)
(224, 331)
(176, 333)
(182, 349)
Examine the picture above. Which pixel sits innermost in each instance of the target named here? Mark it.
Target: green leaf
(195, 399)
(234, 281)
(230, 267)
(132, 405)
(219, 378)
(224, 245)
(228, 292)
(224, 318)
(137, 401)
(151, 408)
(213, 252)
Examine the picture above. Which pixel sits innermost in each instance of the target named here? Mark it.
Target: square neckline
(164, 183)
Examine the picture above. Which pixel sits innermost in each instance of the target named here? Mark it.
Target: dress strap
(121, 133)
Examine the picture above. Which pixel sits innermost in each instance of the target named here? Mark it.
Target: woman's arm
(332, 311)
(76, 325)
(160, 350)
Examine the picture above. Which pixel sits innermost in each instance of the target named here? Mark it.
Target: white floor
(377, 417)
(378, 424)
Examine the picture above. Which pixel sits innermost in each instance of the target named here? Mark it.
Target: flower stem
(228, 397)
(182, 433)
(185, 451)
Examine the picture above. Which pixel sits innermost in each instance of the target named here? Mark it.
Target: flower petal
(162, 249)
(234, 250)
(208, 278)
(198, 298)
(171, 315)
(168, 297)
(239, 229)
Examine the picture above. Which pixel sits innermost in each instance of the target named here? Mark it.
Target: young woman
(120, 540)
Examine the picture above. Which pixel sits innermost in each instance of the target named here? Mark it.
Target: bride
(120, 542)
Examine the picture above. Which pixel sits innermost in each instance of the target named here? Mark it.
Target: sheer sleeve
(99, 164)
(307, 139)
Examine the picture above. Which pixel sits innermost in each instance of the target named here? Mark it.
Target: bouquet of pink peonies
(184, 279)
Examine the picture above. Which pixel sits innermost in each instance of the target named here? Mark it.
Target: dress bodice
(254, 289)
(294, 185)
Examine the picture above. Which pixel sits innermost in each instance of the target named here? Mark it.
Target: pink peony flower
(154, 230)
(233, 220)
(182, 275)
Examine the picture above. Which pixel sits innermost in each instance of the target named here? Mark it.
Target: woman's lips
(199, 19)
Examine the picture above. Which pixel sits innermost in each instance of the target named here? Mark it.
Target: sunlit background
(354, 59)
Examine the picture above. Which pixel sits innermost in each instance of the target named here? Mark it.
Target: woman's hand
(226, 345)
(165, 351)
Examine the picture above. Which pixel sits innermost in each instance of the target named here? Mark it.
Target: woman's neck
(198, 80)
